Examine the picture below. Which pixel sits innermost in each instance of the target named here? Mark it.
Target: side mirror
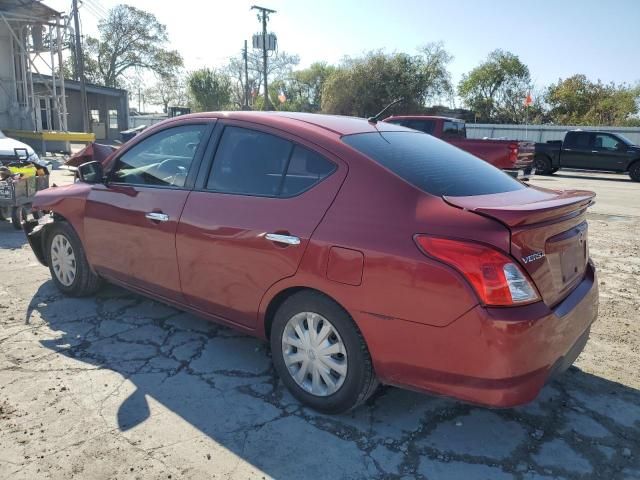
(21, 153)
(91, 172)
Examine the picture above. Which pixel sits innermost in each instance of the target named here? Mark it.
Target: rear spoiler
(526, 207)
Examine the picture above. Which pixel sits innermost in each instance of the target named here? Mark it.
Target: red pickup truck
(514, 157)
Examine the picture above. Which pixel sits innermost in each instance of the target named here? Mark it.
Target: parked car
(9, 146)
(514, 157)
(590, 150)
(364, 253)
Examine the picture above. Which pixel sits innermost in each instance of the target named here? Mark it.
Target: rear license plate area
(567, 255)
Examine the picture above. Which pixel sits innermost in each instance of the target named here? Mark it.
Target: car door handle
(595, 151)
(157, 216)
(279, 238)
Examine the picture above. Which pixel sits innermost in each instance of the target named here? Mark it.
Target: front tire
(320, 354)
(634, 172)
(67, 262)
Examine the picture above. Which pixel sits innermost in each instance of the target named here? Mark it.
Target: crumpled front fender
(35, 232)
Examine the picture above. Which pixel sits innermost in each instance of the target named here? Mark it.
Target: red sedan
(364, 252)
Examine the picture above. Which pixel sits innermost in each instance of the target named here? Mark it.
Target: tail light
(513, 152)
(495, 277)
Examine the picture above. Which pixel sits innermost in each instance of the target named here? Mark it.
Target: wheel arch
(545, 155)
(38, 238)
(633, 162)
(276, 300)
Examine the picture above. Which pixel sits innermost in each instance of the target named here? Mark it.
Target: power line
(98, 10)
(89, 8)
(99, 7)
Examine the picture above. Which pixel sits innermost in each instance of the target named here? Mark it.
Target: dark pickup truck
(512, 156)
(589, 150)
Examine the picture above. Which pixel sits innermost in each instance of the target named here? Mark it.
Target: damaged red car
(364, 252)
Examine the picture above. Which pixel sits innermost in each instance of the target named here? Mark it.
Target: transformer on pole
(264, 41)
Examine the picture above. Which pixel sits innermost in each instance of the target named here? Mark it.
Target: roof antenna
(375, 118)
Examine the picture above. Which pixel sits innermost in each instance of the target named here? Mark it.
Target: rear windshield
(432, 165)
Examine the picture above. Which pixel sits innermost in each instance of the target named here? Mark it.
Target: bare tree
(168, 90)
(129, 39)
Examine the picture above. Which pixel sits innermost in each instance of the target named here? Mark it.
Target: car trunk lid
(548, 233)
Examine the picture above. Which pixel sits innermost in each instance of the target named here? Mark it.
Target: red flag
(528, 101)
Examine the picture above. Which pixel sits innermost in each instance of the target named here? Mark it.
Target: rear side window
(256, 163)
(454, 129)
(306, 168)
(426, 126)
(577, 140)
(432, 165)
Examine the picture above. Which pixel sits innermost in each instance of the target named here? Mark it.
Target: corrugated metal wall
(148, 120)
(540, 133)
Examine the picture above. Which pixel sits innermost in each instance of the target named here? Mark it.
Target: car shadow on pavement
(222, 383)
(10, 237)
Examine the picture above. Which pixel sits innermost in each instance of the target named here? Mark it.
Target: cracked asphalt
(119, 386)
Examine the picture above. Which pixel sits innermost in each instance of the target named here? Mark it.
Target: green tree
(306, 86)
(129, 39)
(578, 101)
(279, 68)
(496, 89)
(209, 90)
(363, 86)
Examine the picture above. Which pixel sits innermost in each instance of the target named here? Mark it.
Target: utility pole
(264, 12)
(80, 70)
(246, 78)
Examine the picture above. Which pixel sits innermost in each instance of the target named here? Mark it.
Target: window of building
(113, 119)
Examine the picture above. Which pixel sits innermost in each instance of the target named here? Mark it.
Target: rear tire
(350, 382)
(543, 165)
(634, 171)
(67, 262)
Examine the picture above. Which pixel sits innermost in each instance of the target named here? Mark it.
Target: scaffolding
(37, 37)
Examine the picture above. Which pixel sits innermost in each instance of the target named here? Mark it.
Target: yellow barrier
(52, 136)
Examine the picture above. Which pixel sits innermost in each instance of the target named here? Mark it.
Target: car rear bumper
(499, 357)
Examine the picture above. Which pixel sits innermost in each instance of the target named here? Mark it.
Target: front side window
(162, 159)
(605, 142)
(249, 162)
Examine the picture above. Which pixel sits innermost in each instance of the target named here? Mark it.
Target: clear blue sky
(555, 38)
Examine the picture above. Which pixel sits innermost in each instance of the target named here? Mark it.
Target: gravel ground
(118, 386)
